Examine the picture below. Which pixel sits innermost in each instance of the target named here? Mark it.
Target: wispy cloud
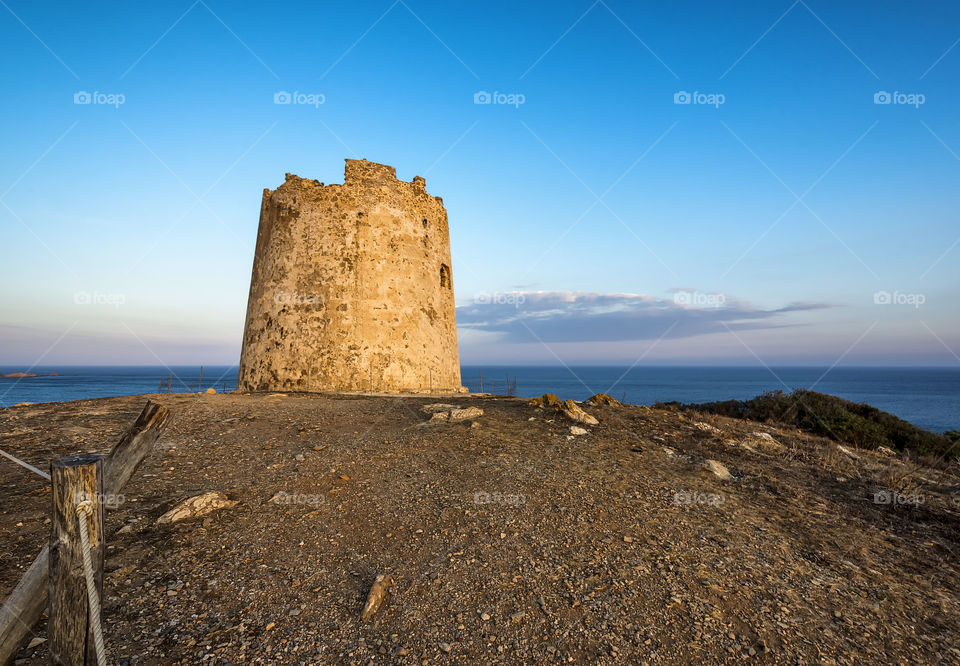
(568, 316)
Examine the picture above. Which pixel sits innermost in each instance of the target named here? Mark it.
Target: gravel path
(509, 539)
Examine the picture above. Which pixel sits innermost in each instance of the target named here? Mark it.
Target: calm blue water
(927, 397)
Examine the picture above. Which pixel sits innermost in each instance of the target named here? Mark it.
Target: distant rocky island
(22, 375)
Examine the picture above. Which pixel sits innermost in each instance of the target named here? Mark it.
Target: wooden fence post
(70, 630)
(23, 608)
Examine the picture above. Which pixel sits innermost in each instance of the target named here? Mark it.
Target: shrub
(838, 419)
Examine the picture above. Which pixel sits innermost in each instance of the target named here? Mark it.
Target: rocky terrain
(518, 535)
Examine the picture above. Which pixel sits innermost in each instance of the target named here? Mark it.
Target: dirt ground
(509, 541)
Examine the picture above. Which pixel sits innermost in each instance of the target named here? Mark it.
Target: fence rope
(84, 510)
(24, 464)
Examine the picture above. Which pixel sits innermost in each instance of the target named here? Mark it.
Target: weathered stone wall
(352, 288)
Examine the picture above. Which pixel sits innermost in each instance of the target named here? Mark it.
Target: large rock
(574, 412)
(546, 400)
(450, 413)
(464, 414)
(436, 407)
(719, 469)
(604, 399)
(765, 442)
(195, 507)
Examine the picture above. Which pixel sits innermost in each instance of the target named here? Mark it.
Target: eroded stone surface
(195, 507)
(352, 288)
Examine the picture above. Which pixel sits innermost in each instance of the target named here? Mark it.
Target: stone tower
(352, 288)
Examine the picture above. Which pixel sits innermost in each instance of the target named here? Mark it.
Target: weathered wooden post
(77, 495)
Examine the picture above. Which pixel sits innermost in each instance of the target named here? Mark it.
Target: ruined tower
(352, 288)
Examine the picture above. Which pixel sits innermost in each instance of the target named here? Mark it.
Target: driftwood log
(26, 604)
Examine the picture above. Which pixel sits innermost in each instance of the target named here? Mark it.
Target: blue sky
(593, 220)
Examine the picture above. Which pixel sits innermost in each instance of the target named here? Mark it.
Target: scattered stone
(604, 399)
(574, 412)
(847, 452)
(475, 424)
(719, 469)
(197, 506)
(577, 430)
(765, 442)
(547, 400)
(519, 615)
(706, 427)
(435, 407)
(627, 539)
(465, 414)
(445, 647)
(35, 642)
(378, 592)
(885, 451)
(450, 413)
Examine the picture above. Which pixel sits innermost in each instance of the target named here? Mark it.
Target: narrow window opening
(445, 276)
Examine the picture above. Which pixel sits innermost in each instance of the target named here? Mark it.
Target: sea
(926, 397)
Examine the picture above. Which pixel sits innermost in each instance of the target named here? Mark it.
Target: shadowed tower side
(352, 288)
